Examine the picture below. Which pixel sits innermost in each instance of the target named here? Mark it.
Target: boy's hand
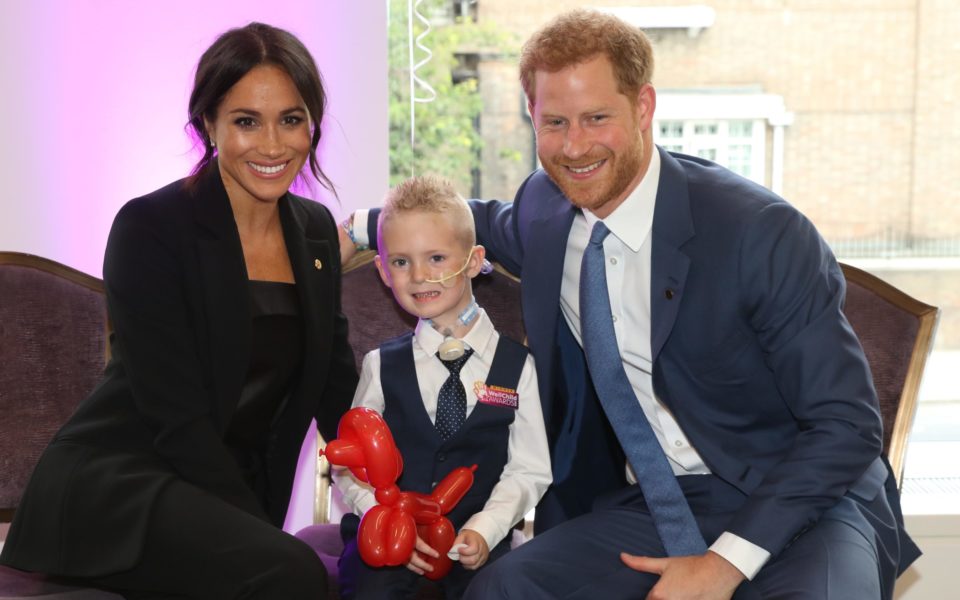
(416, 562)
(476, 551)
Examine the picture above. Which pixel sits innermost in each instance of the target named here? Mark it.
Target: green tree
(446, 140)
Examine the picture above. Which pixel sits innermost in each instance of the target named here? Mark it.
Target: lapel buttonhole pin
(317, 264)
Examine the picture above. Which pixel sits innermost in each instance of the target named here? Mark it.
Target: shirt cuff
(487, 527)
(747, 557)
(356, 495)
(365, 502)
(360, 235)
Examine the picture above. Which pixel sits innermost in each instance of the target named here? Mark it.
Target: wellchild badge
(496, 395)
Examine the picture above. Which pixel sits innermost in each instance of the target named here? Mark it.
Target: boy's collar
(429, 339)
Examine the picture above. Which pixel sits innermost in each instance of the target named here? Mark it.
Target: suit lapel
(543, 271)
(542, 276)
(672, 227)
(314, 267)
(224, 281)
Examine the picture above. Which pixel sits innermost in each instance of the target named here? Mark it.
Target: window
(737, 144)
(727, 126)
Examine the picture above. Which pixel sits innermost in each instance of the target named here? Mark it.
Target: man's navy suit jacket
(751, 351)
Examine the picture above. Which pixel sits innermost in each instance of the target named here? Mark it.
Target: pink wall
(95, 104)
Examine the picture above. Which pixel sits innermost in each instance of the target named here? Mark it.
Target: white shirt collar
(631, 221)
(478, 338)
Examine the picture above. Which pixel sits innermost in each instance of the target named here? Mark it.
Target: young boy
(427, 256)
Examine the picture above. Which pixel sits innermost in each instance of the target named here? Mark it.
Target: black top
(277, 354)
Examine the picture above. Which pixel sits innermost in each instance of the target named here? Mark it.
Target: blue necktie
(452, 402)
(671, 514)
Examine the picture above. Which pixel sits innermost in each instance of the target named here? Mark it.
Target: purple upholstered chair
(374, 317)
(53, 346)
(896, 332)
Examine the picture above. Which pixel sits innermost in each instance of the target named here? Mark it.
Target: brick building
(850, 109)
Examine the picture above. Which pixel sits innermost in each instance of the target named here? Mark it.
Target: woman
(174, 476)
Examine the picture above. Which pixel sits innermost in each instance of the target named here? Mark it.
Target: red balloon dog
(388, 531)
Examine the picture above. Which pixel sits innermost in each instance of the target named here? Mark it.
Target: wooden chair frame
(51, 266)
(927, 316)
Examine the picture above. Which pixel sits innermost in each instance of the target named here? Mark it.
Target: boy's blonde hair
(430, 194)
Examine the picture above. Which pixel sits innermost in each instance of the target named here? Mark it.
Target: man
(725, 305)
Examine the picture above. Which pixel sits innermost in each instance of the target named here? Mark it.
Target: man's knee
(498, 579)
(832, 560)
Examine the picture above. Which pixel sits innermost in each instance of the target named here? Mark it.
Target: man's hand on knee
(705, 576)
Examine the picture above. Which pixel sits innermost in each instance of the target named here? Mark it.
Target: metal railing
(896, 245)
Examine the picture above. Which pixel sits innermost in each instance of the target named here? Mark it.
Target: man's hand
(707, 576)
(476, 551)
(347, 247)
(416, 562)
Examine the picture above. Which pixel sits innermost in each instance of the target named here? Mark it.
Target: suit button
(668, 294)
(441, 457)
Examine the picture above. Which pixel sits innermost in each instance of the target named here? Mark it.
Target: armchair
(53, 345)
(896, 332)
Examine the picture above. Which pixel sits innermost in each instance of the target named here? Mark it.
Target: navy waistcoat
(482, 440)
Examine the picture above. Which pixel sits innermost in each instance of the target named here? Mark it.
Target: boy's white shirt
(527, 473)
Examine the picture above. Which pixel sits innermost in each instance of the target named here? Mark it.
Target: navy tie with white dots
(671, 514)
(452, 403)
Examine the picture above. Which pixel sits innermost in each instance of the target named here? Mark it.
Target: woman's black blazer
(177, 292)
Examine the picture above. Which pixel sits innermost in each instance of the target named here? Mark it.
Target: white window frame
(690, 142)
(693, 107)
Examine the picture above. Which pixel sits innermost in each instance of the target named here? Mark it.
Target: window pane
(705, 129)
(671, 129)
(738, 129)
(739, 159)
(707, 153)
